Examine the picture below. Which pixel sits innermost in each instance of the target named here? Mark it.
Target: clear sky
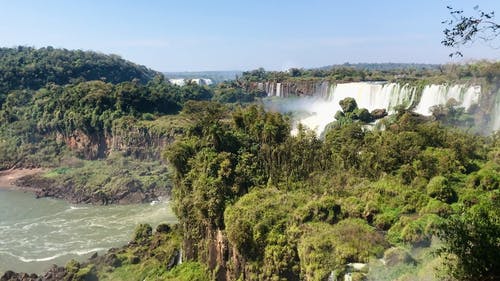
(188, 35)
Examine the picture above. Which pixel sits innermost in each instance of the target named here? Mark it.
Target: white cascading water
(324, 102)
(278, 90)
(440, 94)
(367, 95)
(496, 112)
(199, 81)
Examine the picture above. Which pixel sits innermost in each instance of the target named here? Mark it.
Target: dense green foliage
(149, 256)
(231, 92)
(39, 122)
(30, 68)
(471, 242)
(291, 205)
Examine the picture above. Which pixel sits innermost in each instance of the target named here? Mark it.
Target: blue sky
(193, 35)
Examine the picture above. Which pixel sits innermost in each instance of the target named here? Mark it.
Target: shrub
(324, 248)
(439, 189)
(437, 207)
(385, 220)
(142, 233)
(324, 209)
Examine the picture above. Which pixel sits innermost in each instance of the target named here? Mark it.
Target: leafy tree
(471, 243)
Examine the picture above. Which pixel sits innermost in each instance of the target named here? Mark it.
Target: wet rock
(112, 260)
(55, 273)
(13, 276)
(94, 256)
(163, 228)
(378, 113)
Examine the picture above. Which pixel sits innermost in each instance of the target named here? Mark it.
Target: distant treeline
(393, 72)
(383, 66)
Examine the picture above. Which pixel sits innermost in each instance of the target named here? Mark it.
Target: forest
(255, 202)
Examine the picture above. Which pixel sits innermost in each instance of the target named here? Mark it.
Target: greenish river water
(36, 233)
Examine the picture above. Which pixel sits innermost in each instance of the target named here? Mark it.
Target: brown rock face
(88, 146)
(136, 142)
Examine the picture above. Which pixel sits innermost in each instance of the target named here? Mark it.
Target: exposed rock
(55, 273)
(378, 113)
(112, 260)
(94, 256)
(163, 228)
(174, 260)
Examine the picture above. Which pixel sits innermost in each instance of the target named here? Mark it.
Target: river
(36, 233)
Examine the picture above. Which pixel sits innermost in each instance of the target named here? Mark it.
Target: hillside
(31, 68)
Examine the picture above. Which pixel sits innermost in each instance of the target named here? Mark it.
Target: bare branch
(464, 30)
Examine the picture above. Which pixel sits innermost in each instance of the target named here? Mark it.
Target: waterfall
(321, 99)
(496, 113)
(440, 94)
(367, 95)
(373, 95)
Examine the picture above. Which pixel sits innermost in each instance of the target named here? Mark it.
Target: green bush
(437, 207)
(324, 248)
(385, 220)
(325, 209)
(142, 233)
(439, 188)
(259, 219)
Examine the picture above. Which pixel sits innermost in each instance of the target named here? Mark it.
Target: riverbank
(115, 180)
(9, 178)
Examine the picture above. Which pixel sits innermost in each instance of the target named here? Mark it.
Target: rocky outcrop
(89, 146)
(219, 255)
(136, 142)
(55, 273)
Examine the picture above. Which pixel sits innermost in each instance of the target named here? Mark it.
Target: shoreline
(9, 177)
(28, 181)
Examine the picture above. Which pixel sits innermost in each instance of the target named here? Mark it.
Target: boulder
(348, 105)
(378, 113)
